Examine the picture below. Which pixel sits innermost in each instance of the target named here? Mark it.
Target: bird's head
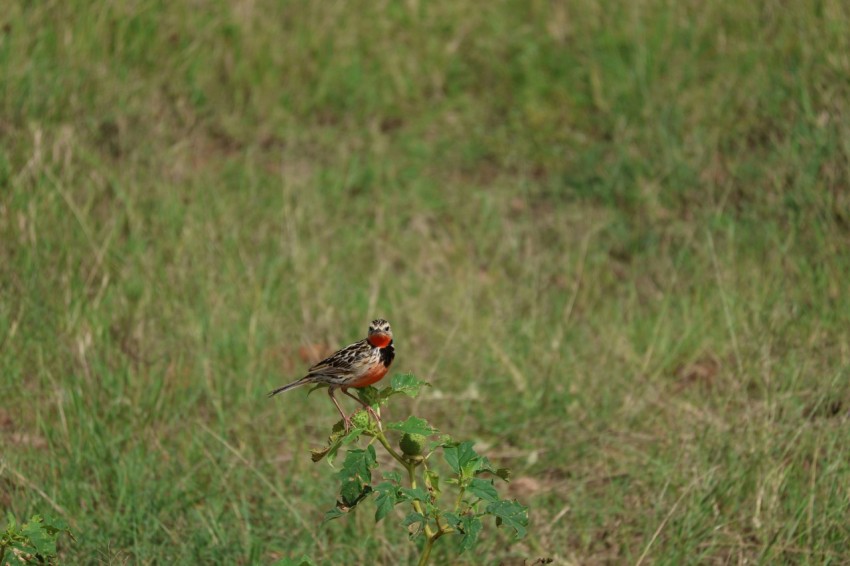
(380, 333)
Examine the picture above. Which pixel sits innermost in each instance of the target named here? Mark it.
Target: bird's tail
(292, 385)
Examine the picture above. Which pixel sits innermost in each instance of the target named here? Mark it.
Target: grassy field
(613, 235)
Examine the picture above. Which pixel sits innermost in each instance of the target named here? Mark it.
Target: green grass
(613, 235)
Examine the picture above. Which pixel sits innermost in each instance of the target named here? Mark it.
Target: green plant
(434, 512)
(33, 542)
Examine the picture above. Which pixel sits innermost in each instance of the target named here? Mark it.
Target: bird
(357, 365)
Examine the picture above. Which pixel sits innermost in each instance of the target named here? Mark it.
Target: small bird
(358, 365)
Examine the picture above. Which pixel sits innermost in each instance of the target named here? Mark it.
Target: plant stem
(459, 498)
(386, 444)
(426, 551)
(411, 474)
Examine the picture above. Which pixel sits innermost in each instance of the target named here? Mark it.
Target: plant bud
(412, 444)
(360, 419)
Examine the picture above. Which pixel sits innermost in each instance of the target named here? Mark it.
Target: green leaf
(459, 456)
(316, 454)
(344, 440)
(408, 384)
(392, 476)
(12, 559)
(56, 525)
(334, 513)
(470, 526)
(510, 513)
(433, 480)
(356, 474)
(451, 519)
(443, 441)
(504, 473)
(483, 489)
(484, 465)
(413, 425)
(386, 499)
(383, 506)
(43, 542)
(414, 519)
(337, 439)
(418, 493)
(370, 396)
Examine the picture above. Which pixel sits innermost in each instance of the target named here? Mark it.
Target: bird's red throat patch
(379, 340)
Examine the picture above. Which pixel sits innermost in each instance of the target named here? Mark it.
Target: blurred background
(612, 235)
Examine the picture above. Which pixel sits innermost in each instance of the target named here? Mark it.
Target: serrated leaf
(433, 480)
(370, 396)
(413, 425)
(384, 503)
(392, 476)
(451, 519)
(483, 489)
(470, 468)
(443, 441)
(356, 474)
(383, 506)
(408, 384)
(414, 519)
(337, 439)
(332, 514)
(344, 440)
(386, 499)
(414, 494)
(352, 435)
(386, 486)
(505, 474)
(56, 524)
(484, 465)
(12, 558)
(316, 454)
(470, 526)
(43, 542)
(510, 513)
(459, 456)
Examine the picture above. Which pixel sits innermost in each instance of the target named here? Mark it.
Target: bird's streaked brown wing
(342, 362)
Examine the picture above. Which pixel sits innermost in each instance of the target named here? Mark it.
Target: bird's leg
(369, 409)
(345, 419)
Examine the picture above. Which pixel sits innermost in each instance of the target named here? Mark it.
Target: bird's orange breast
(374, 375)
